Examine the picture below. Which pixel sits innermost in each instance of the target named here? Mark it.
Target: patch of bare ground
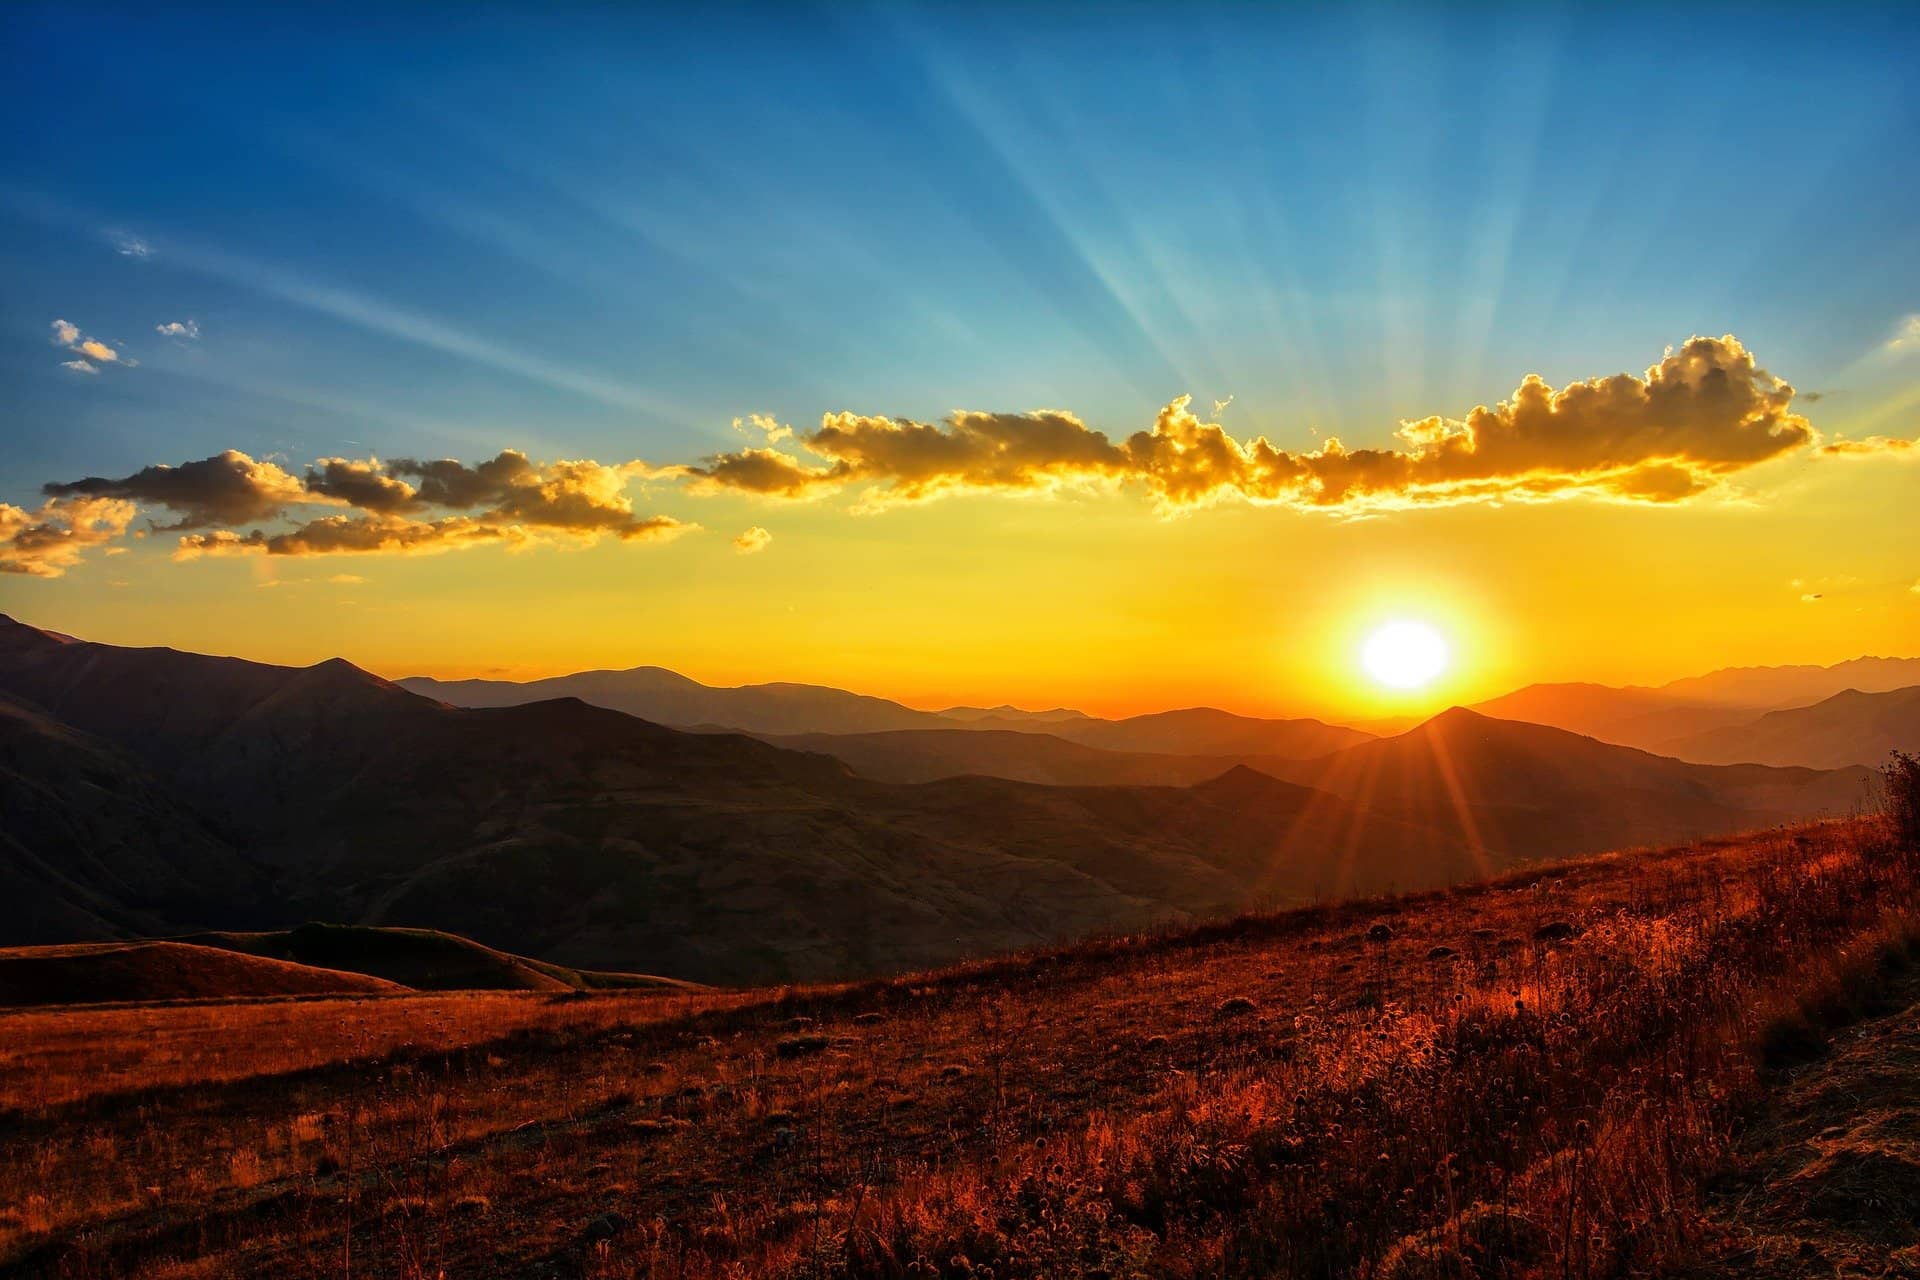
(1827, 1181)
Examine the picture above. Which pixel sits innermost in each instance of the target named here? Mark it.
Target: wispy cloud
(1906, 335)
(183, 330)
(753, 541)
(79, 366)
(128, 245)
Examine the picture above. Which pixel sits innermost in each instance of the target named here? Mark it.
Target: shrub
(1900, 798)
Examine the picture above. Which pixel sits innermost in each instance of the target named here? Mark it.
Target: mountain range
(151, 791)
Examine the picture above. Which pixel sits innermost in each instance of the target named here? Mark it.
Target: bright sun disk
(1404, 655)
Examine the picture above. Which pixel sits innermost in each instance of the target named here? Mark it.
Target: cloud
(79, 366)
(772, 428)
(1871, 445)
(765, 472)
(390, 535)
(128, 245)
(752, 541)
(47, 542)
(1808, 597)
(185, 330)
(1705, 412)
(1906, 335)
(68, 335)
(403, 506)
(228, 488)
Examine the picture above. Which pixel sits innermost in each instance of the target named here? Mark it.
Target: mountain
(1530, 791)
(1632, 716)
(662, 696)
(666, 697)
(1661, 719)
(1004, 712)
(589, 838)
(1778, 687)
(1850, 728)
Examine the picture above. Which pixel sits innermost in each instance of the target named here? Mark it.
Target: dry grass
(1529, 1077)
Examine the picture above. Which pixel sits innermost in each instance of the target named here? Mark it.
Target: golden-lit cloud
(765, 472)
(1867, 446)
(1706, 411)
(402, 507)
(93, 352)
(45, 543)
(228, 488)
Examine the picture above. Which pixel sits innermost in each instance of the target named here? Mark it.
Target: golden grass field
(1538, 1076)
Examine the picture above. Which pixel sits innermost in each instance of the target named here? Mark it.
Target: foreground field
(1533, 1076)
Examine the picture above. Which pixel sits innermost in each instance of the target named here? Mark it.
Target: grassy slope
(94, 972)
(1541, 1069)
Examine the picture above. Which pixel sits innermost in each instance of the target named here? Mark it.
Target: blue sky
(601, 234)
(419, 232)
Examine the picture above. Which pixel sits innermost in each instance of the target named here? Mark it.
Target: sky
(1120, 359)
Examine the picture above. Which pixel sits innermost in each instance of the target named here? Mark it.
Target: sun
(1404, 655)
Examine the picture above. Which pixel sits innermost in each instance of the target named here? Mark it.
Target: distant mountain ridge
(784, 709)
(1851, 727)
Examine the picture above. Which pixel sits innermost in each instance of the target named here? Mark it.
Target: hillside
(1526, 790)
(1536, 1076)
(926, 755)
(100, 972)
(93, 846)
(1850, 728)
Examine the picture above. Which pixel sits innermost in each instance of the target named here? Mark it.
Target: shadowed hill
(92, 845)
(1528, 790)
(419, 959)
(924, 755)
(100, 972)
(1850, 728)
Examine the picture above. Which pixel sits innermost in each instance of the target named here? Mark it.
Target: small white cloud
(79, 366)
(1220, 406)
(186, 330)
(752, 541)
(67, 334)
(128, 245)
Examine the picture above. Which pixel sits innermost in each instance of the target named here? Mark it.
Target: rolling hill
(1850, 728)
